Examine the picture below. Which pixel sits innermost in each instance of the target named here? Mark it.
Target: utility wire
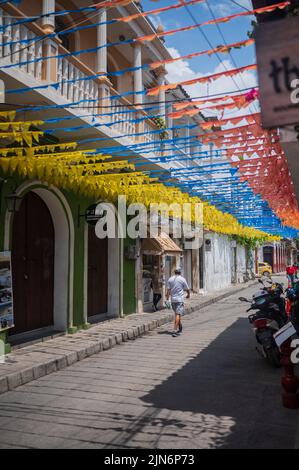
(239, 5)
(207, 39)
(225, 42)
(35, 107)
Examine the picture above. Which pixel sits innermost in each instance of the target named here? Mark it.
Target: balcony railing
(93, 96)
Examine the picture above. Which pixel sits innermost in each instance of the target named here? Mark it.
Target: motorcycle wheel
(273, 357)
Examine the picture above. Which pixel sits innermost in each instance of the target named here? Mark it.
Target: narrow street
(205, 389)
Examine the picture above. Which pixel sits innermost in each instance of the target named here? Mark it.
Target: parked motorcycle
(292, 304)
(268, 320)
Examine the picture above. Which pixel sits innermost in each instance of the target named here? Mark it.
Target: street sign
(277, 48)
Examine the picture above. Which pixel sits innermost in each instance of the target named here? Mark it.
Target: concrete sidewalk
(37, 360)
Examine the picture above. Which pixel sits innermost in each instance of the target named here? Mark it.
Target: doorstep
(44, 357)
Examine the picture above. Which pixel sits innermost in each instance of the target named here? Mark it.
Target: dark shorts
(178, 308)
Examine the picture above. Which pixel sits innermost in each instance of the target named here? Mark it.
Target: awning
(160, 245)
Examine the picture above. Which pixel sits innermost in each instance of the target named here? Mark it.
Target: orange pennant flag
(219, 49)
(225, 19)
(228, 73)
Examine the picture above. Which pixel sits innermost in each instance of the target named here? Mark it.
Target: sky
(193, 41)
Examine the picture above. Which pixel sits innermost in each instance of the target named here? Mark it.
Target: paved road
(205, 389)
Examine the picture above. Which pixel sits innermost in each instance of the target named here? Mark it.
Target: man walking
(176, 287)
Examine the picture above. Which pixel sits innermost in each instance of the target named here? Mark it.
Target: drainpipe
(138, 278)
(121, 234)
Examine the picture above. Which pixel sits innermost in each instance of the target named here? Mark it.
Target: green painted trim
(129, 282)
(3, 337)
(72, 330)
(70, 203)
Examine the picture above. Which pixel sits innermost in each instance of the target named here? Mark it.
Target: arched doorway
(33, 252)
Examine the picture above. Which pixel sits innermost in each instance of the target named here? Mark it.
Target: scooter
(268, 320)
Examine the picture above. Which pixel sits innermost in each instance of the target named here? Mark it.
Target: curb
(72, 352)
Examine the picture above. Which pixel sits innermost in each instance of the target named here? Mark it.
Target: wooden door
(33, 245)
(97, 274)
(268, 252)
(188, 268)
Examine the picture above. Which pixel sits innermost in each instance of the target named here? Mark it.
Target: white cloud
(229, 8)
(181, 71)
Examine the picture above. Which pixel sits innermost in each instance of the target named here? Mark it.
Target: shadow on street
(228, 380)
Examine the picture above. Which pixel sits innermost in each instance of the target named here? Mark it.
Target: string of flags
(256, 170)
(97, 176)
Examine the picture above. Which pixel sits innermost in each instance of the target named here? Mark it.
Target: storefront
(62, 276)
(160, 256)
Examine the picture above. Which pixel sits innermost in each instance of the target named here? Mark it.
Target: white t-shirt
(177, 285)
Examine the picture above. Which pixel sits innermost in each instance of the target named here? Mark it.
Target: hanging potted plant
(161, 124)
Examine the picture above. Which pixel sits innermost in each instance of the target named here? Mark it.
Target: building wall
(77, 292)
(77, 301)
(219, 263)
(280, 258)
(241, 263)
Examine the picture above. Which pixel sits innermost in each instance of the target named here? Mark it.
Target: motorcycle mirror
(242, 299)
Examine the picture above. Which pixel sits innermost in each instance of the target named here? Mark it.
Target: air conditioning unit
(208, 245)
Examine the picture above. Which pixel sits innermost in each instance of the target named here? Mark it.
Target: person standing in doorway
(176, 288)
(156, 286)
(291, 271)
